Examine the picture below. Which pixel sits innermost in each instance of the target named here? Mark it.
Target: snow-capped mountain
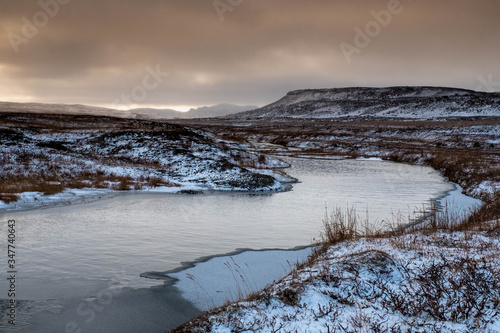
(391, 102)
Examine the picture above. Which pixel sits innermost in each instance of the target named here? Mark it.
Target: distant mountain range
(218, 110)
(387, 103)
(73, 109)
(412, 103)
(142, 113)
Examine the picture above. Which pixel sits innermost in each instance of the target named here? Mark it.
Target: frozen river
(79, 266)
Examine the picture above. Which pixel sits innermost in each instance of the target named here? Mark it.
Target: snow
(31, 200)
(363, 285)
(369, 159)
(174, 155)
(357, 286)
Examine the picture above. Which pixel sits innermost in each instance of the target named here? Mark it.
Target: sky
(188, 53)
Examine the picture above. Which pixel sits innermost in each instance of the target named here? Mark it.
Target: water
(94, 254)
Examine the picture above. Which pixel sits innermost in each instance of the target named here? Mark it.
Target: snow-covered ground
(423, 281)
(365, 285)
(29, 200)
(471, 147)
(55, 159)
(419, 282)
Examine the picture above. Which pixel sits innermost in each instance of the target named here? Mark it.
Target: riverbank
(419, 282)
(466, 151)
(123, 159)
(74, 196)
(439, 276)
(133, 233)
(55, 159)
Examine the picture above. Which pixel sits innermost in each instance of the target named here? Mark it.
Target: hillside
(386, 103)
(45, 154)
(72, 109)
(218, 110)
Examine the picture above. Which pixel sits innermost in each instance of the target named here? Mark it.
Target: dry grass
(340, 225)
(480, 218)
(11, 186)
(8, 198)
(31, 164)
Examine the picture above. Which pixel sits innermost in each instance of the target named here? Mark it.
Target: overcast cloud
(93, 52)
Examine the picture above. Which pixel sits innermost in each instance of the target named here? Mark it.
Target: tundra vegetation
(441, 275)
(49, 153)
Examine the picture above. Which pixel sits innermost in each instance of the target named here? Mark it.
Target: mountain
(150, 113)
(386, 103)
(74, 109)
(218, 110)
(140, 113)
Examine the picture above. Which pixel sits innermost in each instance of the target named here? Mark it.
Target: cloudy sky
(183, 53)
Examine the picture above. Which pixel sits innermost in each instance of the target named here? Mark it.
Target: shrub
(339, 226)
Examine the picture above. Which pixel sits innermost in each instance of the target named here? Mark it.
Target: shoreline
(186, 265)
(221, 256)
(366, 279)
(173, 277)
(454, 200)
(35, 200)
(303, 290)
